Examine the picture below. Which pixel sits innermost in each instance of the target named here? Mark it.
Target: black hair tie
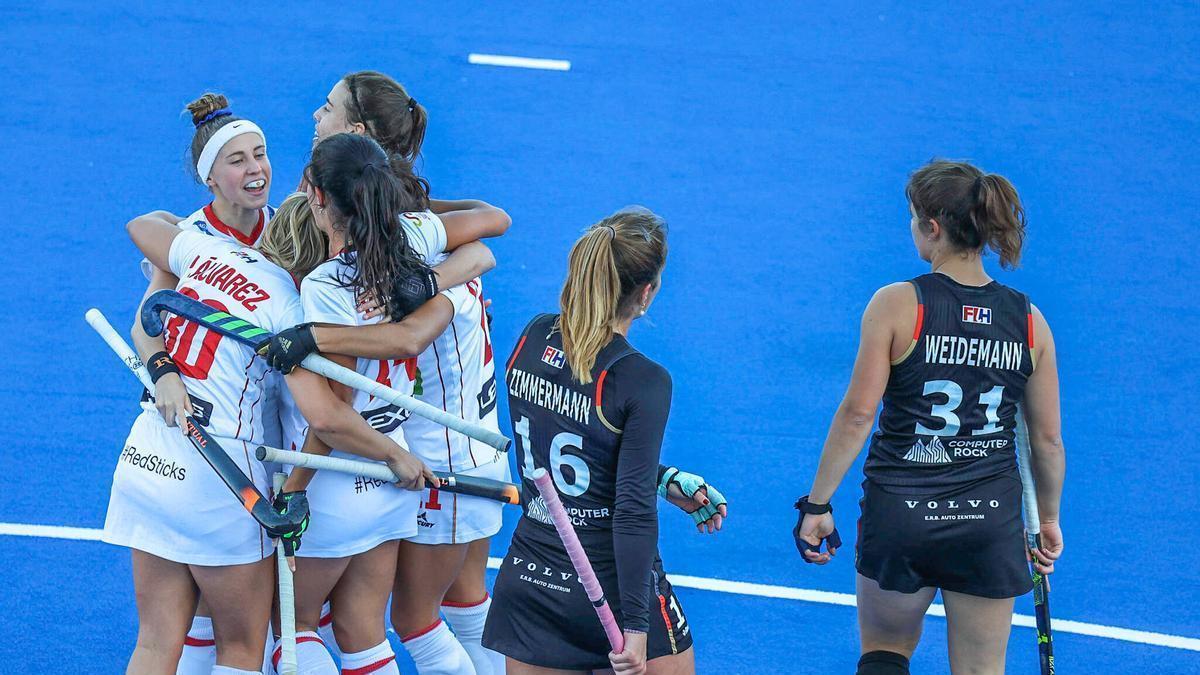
(412, 104)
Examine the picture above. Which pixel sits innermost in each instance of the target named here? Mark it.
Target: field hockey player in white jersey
(373, 104)
(187, 530)
(229, 156)
(350, 554)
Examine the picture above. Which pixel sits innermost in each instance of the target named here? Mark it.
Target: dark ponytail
(974, 209)
(388, 113)
(367, 198)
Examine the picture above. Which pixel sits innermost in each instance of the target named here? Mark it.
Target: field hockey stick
(1033, 539)
(132, 361)
(287, 600)
(242, 487)
(583, 567)
(255, 337)
(486, 488)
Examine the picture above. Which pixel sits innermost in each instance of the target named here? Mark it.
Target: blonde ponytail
(292, 239)
(611, 261)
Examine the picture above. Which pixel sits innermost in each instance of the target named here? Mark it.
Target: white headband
(225, 134)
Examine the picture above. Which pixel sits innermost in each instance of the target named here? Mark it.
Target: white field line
(740, 588)
(518, 62)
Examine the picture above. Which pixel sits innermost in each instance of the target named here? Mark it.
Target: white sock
(312, 658)
(325, 629)
(467, 622)
(436, 652)
(230, 670)
(379, 660)
(199, 649)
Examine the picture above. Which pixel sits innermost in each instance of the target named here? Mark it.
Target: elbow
(1048, 444)
(856, 416)
(487, 261)
(324, 423)
(502, 223)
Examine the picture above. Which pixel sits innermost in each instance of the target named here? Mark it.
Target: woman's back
(949, 410)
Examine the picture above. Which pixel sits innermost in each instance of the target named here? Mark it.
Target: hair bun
(203, 107)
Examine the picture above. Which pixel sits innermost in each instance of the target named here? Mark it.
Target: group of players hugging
(363, 266)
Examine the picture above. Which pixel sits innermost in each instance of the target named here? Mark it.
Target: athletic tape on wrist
(225, 134)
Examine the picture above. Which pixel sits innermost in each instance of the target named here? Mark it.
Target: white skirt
(353, 514)
(166, 500)
(447, 518)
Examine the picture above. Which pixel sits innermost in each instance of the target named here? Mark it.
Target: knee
(411, 614)
(881, 662)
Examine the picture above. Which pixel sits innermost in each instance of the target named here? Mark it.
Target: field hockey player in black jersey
(955, 357)
(591, 410)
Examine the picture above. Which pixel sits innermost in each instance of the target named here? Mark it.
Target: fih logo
(932, 453)
(972, 314)
(554, 357)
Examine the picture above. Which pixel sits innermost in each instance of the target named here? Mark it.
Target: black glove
(287, 349)
(410, 292)
(293, 506)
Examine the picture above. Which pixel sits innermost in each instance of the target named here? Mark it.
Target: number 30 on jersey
(559, 459)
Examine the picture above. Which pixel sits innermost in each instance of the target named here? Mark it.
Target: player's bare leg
(890, 621)
(239, 598)
(359, 599)
(314, 581)
(166, 600)
(977, 631)
(470, 586)
(424, 572)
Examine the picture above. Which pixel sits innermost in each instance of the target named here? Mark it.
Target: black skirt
(970, 541)
(541, 615)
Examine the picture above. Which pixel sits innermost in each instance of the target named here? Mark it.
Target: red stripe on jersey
(437, 361)
(1030, 322)
(516, 352)
(920, 321)
(600, 387)
(462, 405)
(247, 239)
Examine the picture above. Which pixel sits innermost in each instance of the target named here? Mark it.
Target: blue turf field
(776, 142)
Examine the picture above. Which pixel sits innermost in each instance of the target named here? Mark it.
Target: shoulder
(639, 368)
(197, 221)
(895, 300)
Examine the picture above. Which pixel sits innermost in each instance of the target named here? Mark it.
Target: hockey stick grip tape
(583, 567)
(248, 334)
(323, 366)
(1033, 524)
(473, 486)
(287, 601)
(116, 343)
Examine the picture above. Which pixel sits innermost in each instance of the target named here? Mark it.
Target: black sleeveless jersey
(949, 410)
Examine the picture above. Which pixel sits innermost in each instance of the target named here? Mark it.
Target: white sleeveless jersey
(205, 221)
(230, 386)
(325, 300)
(457, 373)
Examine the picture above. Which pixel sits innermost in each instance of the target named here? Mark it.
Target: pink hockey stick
(583, 567)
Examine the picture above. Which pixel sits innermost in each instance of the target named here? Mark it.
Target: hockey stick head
(193, 310)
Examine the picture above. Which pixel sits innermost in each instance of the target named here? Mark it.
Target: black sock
(882, 663)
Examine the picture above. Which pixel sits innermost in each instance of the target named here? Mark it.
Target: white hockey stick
(287, 601)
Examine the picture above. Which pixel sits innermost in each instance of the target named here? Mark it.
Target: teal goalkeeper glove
(689, 484)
